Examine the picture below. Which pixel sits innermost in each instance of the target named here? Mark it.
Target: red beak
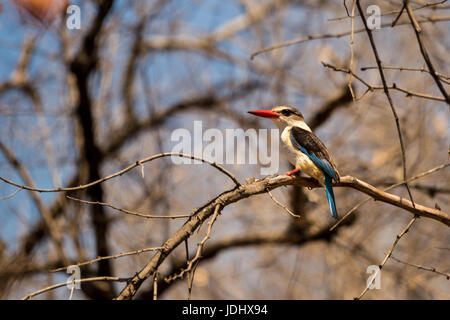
(264, 113)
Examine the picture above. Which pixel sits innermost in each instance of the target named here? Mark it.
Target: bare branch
(121, 172)
(45, 213)
(391, 87)
(198, 253)
(258, 187)
(131, 253)
(443, 77)
(333, 35)
(423, 174)
(423, 50)
(11, 195)
(133, 213)
(62, 284)
(283, 206)
(433, 5)
(430, 269)
(388, 255)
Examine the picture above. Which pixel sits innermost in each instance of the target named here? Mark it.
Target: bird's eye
(286, 112)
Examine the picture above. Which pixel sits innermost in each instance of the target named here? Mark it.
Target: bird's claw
(292, 173)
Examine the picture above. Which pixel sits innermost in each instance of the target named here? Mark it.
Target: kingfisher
(306, 151)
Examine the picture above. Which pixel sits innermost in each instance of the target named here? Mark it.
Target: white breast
(300, 160)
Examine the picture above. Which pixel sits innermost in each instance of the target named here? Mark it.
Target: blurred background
(80, 104)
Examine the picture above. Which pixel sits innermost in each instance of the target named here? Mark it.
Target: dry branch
(430, 269)
(394, 86)
(388, 255)
(133, 213)
(123, 171)
(62, 284)
(423, 50)
(258, 187)
(334, 35)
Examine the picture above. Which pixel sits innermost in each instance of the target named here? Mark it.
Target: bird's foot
(292, 173)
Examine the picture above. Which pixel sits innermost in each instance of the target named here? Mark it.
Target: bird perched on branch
(305, 150)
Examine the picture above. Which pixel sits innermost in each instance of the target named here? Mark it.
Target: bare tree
(86, 169)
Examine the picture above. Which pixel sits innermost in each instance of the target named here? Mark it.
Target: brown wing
(308, 143)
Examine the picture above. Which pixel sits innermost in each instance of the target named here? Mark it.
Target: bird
(306, 151)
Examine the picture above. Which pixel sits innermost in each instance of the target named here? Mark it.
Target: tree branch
(423, 50)
(258, 187)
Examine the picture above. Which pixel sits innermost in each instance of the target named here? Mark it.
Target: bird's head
(283, 116)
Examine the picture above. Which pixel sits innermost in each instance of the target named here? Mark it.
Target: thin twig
(134, 213)
(388, 255)
(423, 50)
(155, 286)
(72, 289)
(130, 253)
(352, 36)
(334, 35)
(62, 284)
(423, 174)
(121, 172)
(388, 95)
(369, 86)
(198, 253)
(190, 279)
(51, 224)
(398, 16)
(346, 9)
(391, 87)
(11, 195)
(431, 269)
(443, 77)
(282, 206)
(431, 4)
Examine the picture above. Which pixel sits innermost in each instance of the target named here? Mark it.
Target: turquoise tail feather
(330, 196)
